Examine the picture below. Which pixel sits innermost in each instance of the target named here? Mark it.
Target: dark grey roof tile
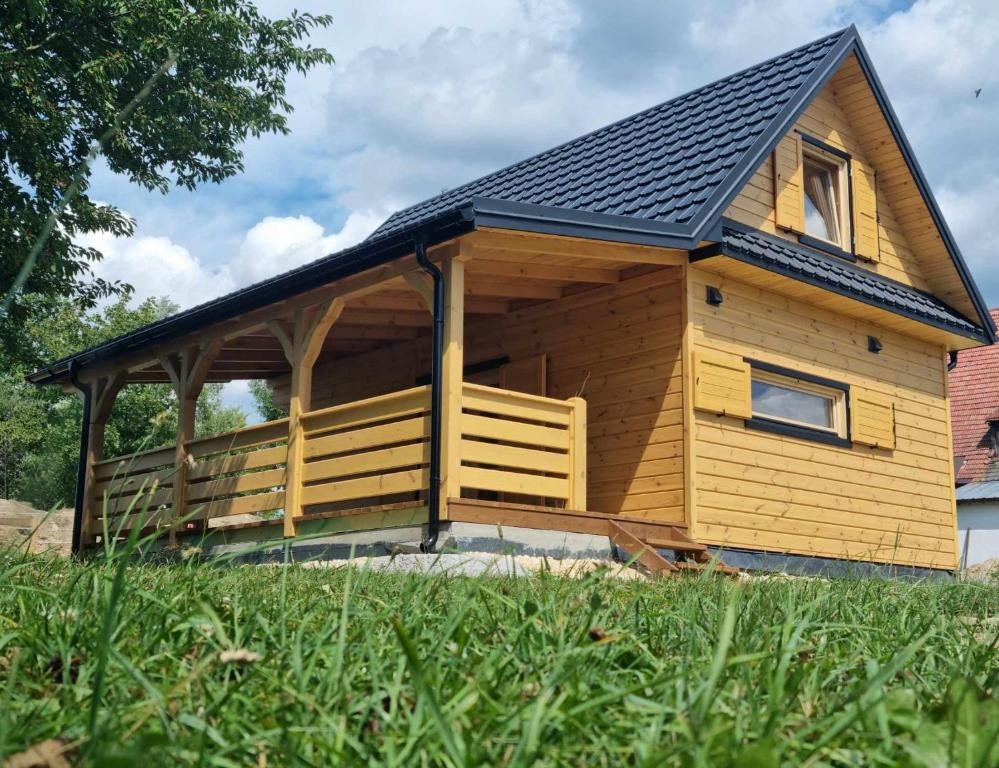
(846, 278)
(607, 171)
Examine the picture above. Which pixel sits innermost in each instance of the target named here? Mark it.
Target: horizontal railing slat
(258, 434)
(222, 486)
(134, 463)
(473, 425)
(241, 505)
(262, 457)
(148, 518)
(474, 451)
(514, 482)
(382, 408)
(148, 499)
(366, 487)
(516, 404)
(413, 428)
(128, 485)
(367, 462)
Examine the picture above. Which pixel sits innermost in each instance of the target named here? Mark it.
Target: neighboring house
(722, 322)
(974, 409)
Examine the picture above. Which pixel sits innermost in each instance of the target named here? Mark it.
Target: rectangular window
(826, 203)
(798, 404)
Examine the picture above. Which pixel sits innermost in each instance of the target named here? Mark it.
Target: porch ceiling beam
(535, 271)
(342, 332)
(374, 317)
(274, 354)
(477, 285)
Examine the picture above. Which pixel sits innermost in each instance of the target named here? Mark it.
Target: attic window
(825, 208)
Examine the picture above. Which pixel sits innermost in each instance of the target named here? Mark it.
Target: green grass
(124, 660)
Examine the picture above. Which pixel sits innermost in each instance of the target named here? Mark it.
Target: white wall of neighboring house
(977, 531)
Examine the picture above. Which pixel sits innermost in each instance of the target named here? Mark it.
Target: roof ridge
(457, 190)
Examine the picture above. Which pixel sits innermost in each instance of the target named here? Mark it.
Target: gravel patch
(481, 564)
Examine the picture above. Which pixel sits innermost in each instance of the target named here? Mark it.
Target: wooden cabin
(723, 323)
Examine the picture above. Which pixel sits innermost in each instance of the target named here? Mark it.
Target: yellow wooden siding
(617, 346)
(759, 490)
(826, 120)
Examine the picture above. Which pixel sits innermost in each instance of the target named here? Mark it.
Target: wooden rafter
(479, 285)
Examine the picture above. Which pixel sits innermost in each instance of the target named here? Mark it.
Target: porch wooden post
(188, 370)
(451, 379)
(102, 393)
(302, 341)
(577, 455)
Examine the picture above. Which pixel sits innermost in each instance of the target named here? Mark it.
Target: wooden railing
(365, 453)
(525, 445)
(134, 483)
(233, 473)
(238, 472)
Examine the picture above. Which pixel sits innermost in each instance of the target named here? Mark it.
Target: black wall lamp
(715, 297)
(874, 344)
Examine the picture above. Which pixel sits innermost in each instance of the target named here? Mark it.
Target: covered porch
(559, 373)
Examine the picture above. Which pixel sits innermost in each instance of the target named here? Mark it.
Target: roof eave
(723, 249)
(337, 266)
(565, 222)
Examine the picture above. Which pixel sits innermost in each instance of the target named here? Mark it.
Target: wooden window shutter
(866, 243)
(872, 418)
(722, 384)
(789, 186)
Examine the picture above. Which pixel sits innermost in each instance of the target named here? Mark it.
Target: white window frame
(840, 167)
(836, 395)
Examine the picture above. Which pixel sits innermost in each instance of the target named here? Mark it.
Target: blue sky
(425, 96)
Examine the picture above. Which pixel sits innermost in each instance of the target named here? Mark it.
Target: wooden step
(677, 545)
(702, 560)
(645, 555)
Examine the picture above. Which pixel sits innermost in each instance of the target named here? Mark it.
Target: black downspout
(436, 373)
(952, 363)
(81, 471)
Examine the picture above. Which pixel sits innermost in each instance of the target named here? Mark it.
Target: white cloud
(278, 244)
(156, 266)
(427, 96)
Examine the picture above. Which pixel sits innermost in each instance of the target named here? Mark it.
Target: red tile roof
(974, 401)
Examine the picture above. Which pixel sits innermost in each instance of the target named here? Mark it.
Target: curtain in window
(819, 188)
